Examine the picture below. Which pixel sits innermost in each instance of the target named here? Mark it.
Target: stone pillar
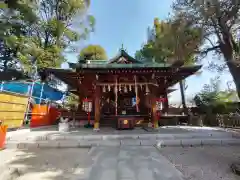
(97, 108)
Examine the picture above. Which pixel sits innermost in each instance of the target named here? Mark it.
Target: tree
(47, 36)
(172, 41)
(219, 19)
(211, 97)
(93, 52)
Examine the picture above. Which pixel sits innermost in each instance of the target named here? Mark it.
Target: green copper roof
(127, 66)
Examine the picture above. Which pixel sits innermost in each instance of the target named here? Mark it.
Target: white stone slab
(130, 142)
(167, 143)
(230, 141)
(191, 142)
(211, 142)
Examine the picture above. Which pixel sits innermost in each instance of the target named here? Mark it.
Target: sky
(126, 22)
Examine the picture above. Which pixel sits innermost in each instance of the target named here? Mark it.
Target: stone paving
(123, 155)
(101, 163)
(204, 163)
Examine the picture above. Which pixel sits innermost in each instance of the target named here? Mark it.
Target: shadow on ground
(44, 164)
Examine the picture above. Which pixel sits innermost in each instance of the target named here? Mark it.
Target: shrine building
(121, 92)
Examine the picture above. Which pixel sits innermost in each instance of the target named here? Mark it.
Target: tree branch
(206, 51)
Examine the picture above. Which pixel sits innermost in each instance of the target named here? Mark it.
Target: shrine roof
(123, 54)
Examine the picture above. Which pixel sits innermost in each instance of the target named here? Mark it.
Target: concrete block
(109, 137)
(191, 142)
(183, 136)
(230, 141)
(109, 143)
(211, 142)
(68, 144)
(32, 145)
(128, 136)
(165, 136)
(147, 137)
(58, 137)
(11, 145)
(74, 138)
(130, 142)
(48, 144)
(38, 138)
(235, 135)
(84, 143)
(148, 142)
(21, 145)
(92, 137)
(168, 143)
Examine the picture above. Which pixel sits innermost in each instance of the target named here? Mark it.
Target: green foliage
(211, 99)
(219, 21)
(71, 101)
(93, 52)
(46, 29)
(175, 39)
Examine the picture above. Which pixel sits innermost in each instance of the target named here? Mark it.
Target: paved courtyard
(129, 161)
(119, 163)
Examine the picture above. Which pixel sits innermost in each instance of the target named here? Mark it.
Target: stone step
(64, 136)
(90, 143)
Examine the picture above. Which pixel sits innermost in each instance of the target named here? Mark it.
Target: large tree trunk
(182, 90)
(234, 69)
(233, 62)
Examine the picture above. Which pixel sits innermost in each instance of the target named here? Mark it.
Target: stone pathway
(131, 163)
(101, 163)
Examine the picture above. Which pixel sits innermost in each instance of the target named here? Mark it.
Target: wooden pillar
(166, 104)
(154, 107)
(154, 112)
(116, 95)
(97, 108)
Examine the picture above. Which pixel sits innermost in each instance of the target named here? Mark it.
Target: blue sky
(126, 22)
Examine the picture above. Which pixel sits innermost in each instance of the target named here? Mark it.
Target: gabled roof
(123, 58)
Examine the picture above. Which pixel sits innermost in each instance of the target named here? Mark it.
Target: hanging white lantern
(147, 89)
(125, 89)
(130, 87)
(109, 88)
(104, 89)
(165, 80)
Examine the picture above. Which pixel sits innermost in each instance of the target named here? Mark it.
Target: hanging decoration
(159, 103)
(147, 89)
(109, 88)
(130, 87)
(104, 89)
(125, 89)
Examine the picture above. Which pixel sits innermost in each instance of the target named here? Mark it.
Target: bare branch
(206, 51)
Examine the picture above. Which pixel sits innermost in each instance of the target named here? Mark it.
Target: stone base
(96, 129)
(63, 127)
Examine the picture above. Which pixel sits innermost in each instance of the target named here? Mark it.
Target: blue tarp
(24, 87)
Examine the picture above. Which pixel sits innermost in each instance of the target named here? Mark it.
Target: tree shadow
(47, 163)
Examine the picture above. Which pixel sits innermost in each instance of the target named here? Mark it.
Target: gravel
(204, 163)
